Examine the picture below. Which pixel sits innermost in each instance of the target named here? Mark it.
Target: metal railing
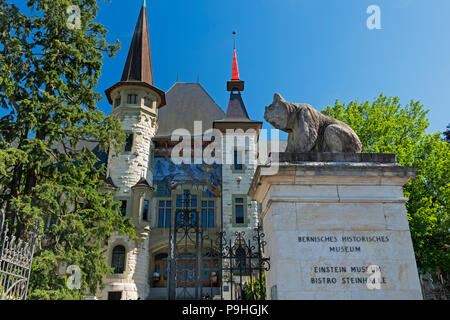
(16, 258)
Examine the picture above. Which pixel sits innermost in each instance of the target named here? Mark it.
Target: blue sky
(311, 51)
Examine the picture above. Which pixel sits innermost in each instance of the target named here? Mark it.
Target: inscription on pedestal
(346, 262)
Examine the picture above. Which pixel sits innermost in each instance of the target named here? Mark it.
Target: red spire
(235, 74)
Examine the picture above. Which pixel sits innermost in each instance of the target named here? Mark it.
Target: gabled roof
(142, 183)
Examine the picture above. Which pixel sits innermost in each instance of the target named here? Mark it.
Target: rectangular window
(117, 102)
(168, 216)
(187, 200)
(123, 208)
(194, 201)
(208, 213)
(238, 160)
(204, 218)
(129, 143)
(211, 218)
(161, 218)
(145, 210)
(164, 214)
(132, 99)
(239, 210)
(147, 102)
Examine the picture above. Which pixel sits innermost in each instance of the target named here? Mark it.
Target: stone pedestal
(336, 227)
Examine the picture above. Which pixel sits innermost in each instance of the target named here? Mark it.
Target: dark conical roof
(236, 110)
(138, 67)
(236, 116)
(139, 62)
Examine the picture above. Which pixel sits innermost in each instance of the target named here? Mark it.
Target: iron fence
(16, 258)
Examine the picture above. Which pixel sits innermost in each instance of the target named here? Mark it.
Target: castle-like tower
(135, 102)
(239, 152)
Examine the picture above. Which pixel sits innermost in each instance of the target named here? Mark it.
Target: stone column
(336, 227)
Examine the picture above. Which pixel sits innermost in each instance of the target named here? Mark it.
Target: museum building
(153, 190)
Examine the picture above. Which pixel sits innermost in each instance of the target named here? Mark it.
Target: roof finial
(234, 40)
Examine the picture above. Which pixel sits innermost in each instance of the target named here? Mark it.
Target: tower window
(147, 102)
(238, 163)
(132, 99)
(117, 102)
(129, 142)
(239, 210)
(118, 259)
(145, 210)
(123, 208)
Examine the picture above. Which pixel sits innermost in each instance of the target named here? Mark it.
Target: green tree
(50, 67)
(386, 126)
(447, 134)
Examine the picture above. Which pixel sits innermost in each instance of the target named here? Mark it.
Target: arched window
(118, 259)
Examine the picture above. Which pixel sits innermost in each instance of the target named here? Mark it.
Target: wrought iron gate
(240, 259)
(184, 252)
(244, 264)
(16, 257)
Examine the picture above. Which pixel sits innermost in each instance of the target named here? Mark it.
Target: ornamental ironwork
(16, 258)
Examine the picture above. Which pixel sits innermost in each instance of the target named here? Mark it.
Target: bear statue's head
(277, 114)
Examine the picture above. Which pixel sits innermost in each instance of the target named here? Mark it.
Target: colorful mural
(167, 176)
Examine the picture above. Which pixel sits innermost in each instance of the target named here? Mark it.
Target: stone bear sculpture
(309, 130)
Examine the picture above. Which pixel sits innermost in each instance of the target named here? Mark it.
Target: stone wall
(237, 183)
(134, 282)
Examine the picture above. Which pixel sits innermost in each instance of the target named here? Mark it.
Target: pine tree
(50, 61)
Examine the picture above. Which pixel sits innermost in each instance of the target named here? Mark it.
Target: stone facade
(136, 108)
(236, 184)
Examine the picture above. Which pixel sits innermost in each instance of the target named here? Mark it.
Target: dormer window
(117, 102)
(132, 99)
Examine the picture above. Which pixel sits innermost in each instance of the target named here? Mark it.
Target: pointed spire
(138, 67)
(236, 116)
(139, 63)
(235, 84)
(235, 72)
